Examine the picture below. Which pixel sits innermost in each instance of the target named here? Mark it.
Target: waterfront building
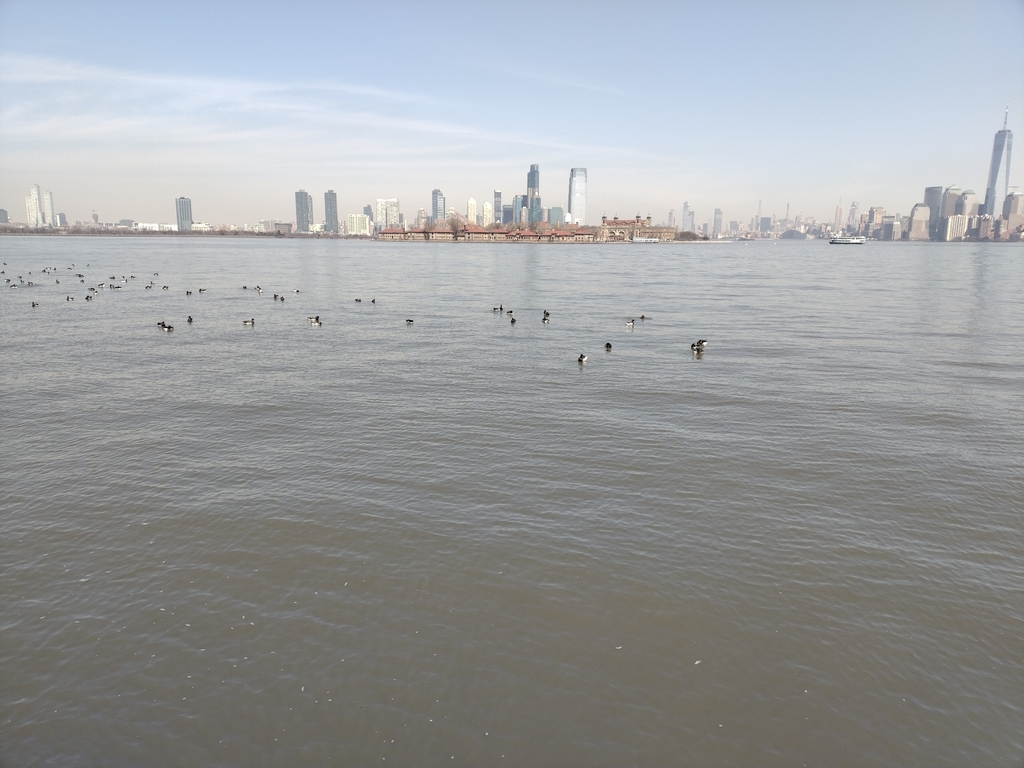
(1013, 210)
(1002, 144)
(49, 219)
(933, 199)
(967, 204)
(892, 228)
(331, 223)
(437, 209)
(34, 207)
(488, 215)
(388, 214)
(556, 216)
(734, 226)
(497, 205)
(368, 211)
(626, 230)
(507, 214)
(471, 210)
(183, 211)
(4, 218)
(577, 211)
(422, 219)
(919, 227)
(303, 211)
(716, 229)
(766, 225)
(954, 227)
(360, 224)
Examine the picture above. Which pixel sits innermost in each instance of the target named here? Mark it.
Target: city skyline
(121, 125)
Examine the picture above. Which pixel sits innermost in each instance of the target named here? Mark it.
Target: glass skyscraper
(183, 207)
(1003, 143)
(533, 194)
(331, 223)
(578, 196)
(437, 209)
(303, 211)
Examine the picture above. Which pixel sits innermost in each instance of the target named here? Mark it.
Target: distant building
(488, 215)
(183, 209)
(518, 206)
(852, 218)
(49, 219)
(471, 210)
(368, 211)
(536, 211)
(626, 230)
(303, 211)
(360, 224)
(388, 215)
(577, 211)
(954, 227)
(839, 217)
(734, 226)
(62, 220)
(766, 225)
(1002, 144)
(507, 215)
(892, 228)
(497, 205)
(949, 201)
(717, 227)
(873, 227)
(1013, 210)
(687, 222)
(556, 216)
(919, 227)
(4, 218)
(968, 203)
(331, 223)
(284, 227)
(933, 199)
(437, 209)
(533, 192)
(34, 207)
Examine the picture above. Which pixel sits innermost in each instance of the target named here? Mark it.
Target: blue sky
(120, 108)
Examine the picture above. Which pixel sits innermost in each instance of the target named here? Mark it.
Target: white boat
(646, 240)
(844, 240)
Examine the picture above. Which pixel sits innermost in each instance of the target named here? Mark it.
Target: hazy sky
(120, 108)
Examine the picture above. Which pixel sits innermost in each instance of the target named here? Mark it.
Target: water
(450, 544)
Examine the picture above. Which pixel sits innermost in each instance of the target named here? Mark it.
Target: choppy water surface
(450, 544)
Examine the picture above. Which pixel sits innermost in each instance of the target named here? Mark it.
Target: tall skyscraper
(303, 211)
(34, 207)
(717, 230)
(533, 193)
(578, 196)
(488, 214)
(368, 211)
(1003, 143)
(968, 203)
(518, 204)
(49, 219)
(933, 199)
(687, 221)
(839, 217)
(507, 214)
(183, 209)
(919, 227)
(497, 205)
(437, 209)
(331, 223)
(3, 216)
(471, 210)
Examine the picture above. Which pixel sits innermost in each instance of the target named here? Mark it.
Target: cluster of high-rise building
(525, 210)
(950, 213)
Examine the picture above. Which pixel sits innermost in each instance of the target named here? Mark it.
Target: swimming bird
(189, 320)
(496, 309)
(698, 346)
(545, 320)
(408, 322)
(629, 324)
(582, 359)
(282, 299)
(296, 290)
(251, 321)
(644, 317)
(188, 293)
(315, 322)
(513, 321)
(359, 301)
(202, 290)
(35, 303)
(509, 312)
(168, 328)
(311, 318)
(608, 347)
(373, 301)
(88, 298)
(70, 298)
(166, 287)
(546, 313)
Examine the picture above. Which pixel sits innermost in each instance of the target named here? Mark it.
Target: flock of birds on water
(697, 347)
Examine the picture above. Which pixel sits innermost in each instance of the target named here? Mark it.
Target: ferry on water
(646, 240)
(845, 240)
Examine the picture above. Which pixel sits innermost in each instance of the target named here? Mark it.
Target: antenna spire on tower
(1007, 115)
